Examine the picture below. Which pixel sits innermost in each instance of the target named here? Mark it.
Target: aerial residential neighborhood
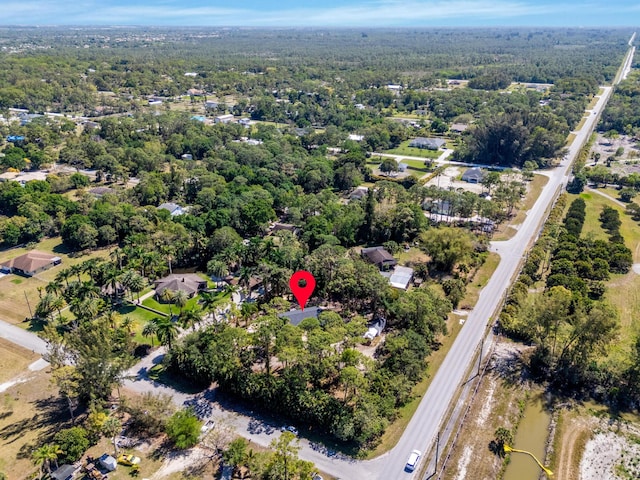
(349, 246)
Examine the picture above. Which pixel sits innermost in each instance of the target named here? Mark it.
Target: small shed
(108, 462)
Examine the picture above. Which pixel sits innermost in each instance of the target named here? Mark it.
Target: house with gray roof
(297, 316)
(473, 175)
(174, 208)
(190, 283)
(379, 257)
(427, 143)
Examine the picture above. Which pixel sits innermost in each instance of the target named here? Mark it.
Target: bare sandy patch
(610, 456)
(488, 402)
(465, 458)
(181, 462)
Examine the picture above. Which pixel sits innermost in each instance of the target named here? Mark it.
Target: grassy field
(28, 412)
(395, 430)
(14, 360)
(14, 288)
(405, 149)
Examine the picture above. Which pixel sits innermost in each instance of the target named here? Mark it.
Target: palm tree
(150, 329)
(189, 318)
(90, 266)
(167, 296)
(180, 299)
(46, 454)
(136, 284)
(166, 330)
(247, 309)
(113, 318)
(111, 277)
(63, 275)
(208, 300)
(132, 281)
(127, 323)
(45, 306)
(117, 256)
(111, 427)
(218, 269)
(58, 303)
(54, 286)
(76, 270)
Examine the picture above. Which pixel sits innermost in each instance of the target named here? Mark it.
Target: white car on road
(413, 460)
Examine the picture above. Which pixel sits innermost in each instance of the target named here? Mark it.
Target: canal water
(531, 436)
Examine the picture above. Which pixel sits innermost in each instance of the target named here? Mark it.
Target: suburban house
(212, 104)
(65, 472)
(189, 283)
(174, 208)
(278, 227)
(375, 328)
(228, 118)
(379, 257)
(401, 277)
(473, 175)
(427, 143)
(98, 192)
(355, 138)
(458, 127)
(359, 193)
(296, 316)
(30, 263)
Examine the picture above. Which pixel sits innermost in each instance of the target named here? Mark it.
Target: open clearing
(14, 360)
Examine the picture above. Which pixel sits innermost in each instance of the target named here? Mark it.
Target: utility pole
(480, 356)
(28, 305)
(435, 471)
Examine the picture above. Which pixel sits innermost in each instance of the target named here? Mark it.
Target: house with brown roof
(379, 257)
(189, 283)
(30, 263)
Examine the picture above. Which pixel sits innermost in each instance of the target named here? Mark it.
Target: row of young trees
(571, 323)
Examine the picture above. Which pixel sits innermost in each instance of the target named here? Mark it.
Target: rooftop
(296, 316)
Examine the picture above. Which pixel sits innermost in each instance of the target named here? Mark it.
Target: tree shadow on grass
(51, 416)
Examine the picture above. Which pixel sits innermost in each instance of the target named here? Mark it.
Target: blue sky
(345, 13)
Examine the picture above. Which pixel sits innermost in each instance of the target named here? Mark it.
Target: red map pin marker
(302, 294)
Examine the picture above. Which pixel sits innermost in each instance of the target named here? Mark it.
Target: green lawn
(405, 149)
(140, 317)
(166, 308)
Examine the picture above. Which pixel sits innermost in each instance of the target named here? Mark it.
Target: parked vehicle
(413, 460)
(289, 428)
(128, 460)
